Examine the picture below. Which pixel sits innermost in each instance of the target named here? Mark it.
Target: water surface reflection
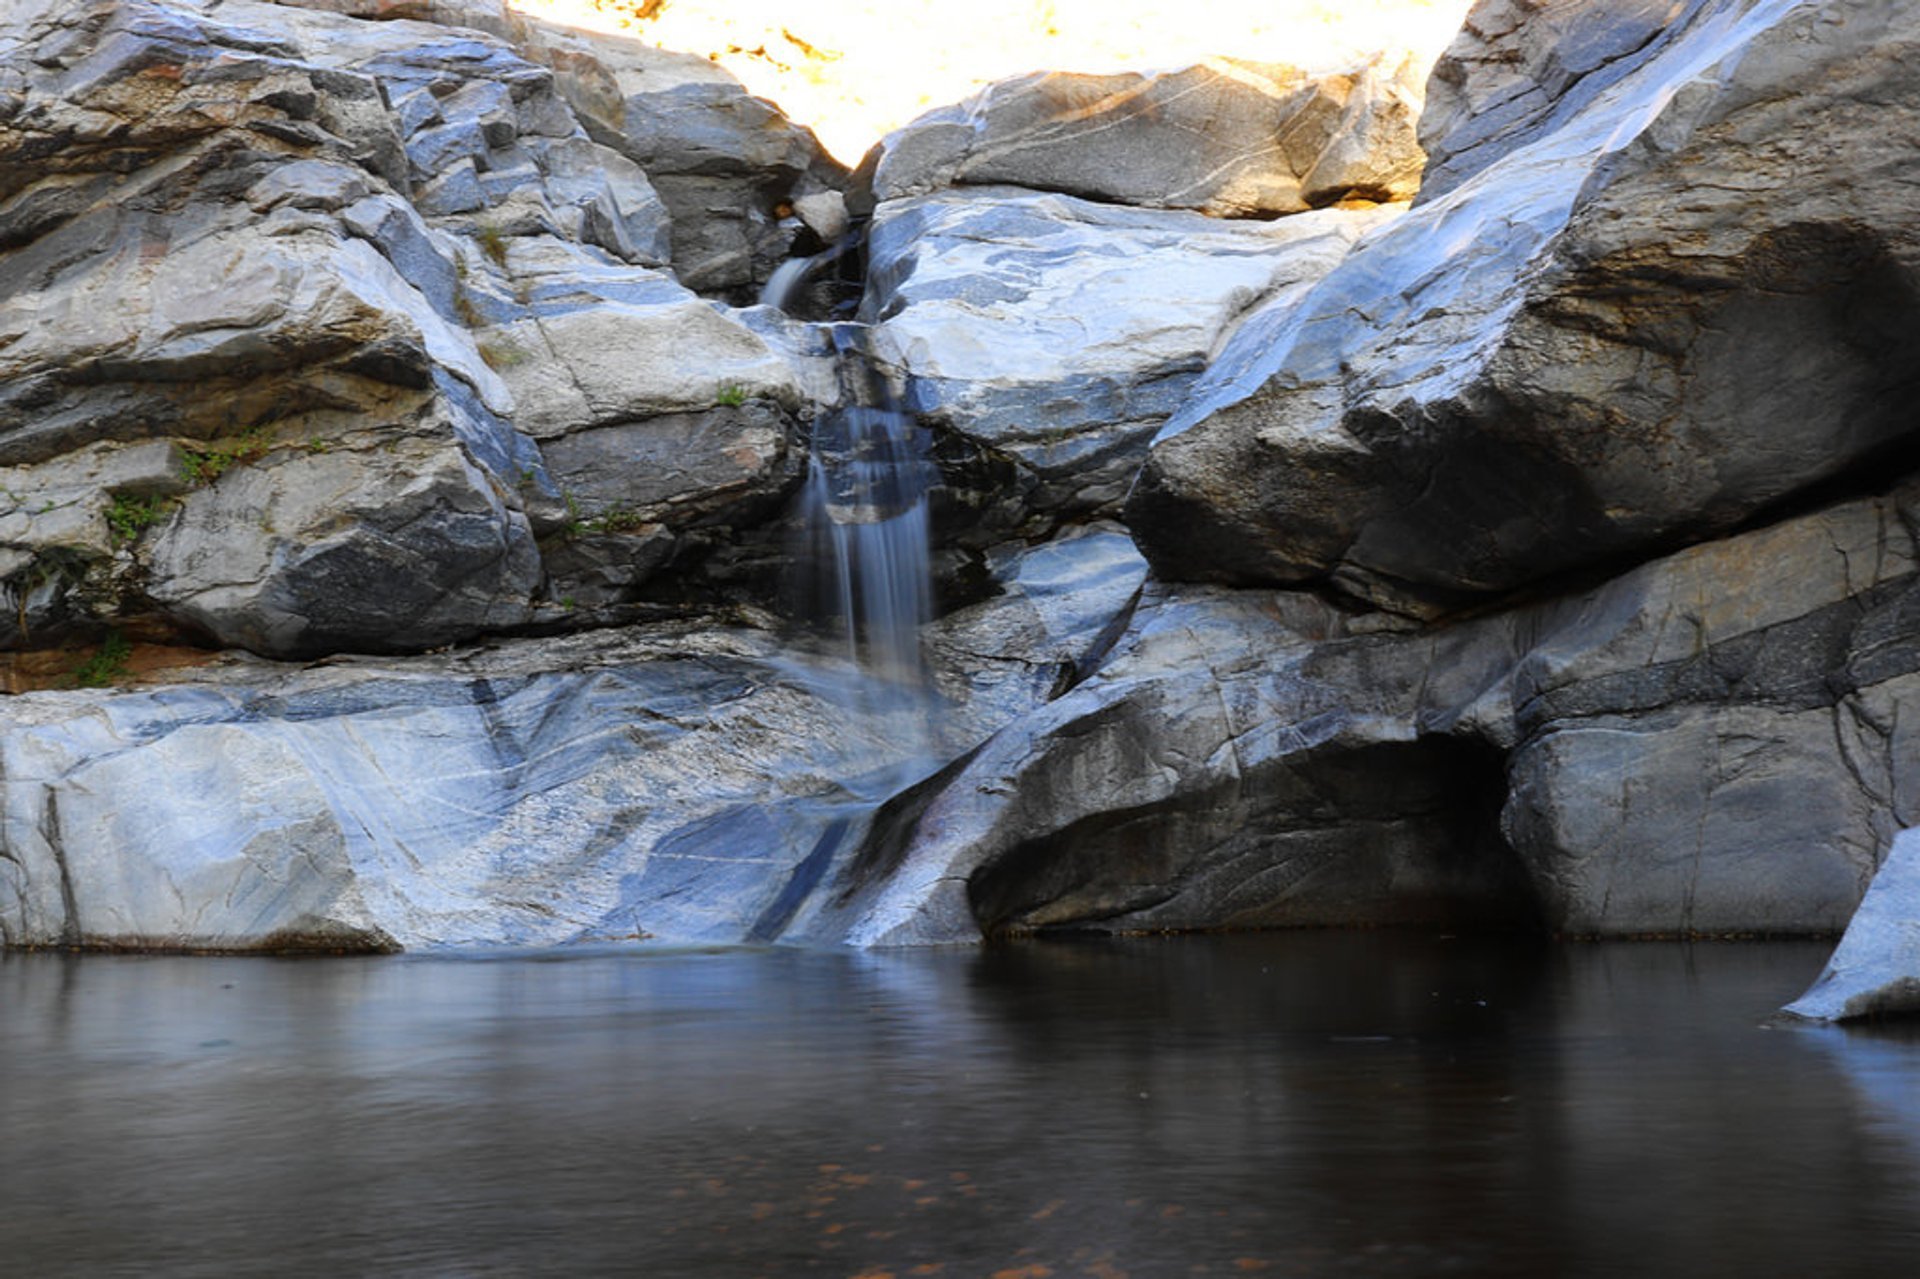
(1292, 1104)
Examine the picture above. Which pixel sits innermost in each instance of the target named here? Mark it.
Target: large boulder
(1722, 741)
(664, 424)
(1519, 68)
(1226, 137)
(1060, 333)
(1687, 301)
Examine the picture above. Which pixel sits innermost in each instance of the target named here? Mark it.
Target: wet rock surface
(678, 782)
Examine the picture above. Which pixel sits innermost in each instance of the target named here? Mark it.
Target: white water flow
(861, 566)
(864, 529)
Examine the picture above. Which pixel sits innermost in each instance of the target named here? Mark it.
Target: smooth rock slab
(1875, 971)
(677, 782)
(1060, 332)
(1226, 137)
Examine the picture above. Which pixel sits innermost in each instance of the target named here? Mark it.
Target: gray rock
(1639, 328)
(1206, 777)
(1225, 137)
(484, 128)
(1520, 68)
(1718, 742)
(1061, 333)
(724, 161)
(344, 273)
(1875, 971)
(393, 547)
(484, 15)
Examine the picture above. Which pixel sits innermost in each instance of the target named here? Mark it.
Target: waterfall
(863, 555)
(861, 565)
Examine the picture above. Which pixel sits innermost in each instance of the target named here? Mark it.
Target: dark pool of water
(1309, 1104)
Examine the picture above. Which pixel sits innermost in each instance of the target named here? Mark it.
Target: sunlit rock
(1689, 298)
(1061, 332)
(1520, 68)
(1226, 137)
(724, 161)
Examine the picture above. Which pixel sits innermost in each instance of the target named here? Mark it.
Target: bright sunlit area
(854, 69)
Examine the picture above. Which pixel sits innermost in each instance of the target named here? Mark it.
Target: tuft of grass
(201, 467)
(730, 396)
(491, 242)
(618, 520)
(107, 666)
(128, 517)
(466, 311)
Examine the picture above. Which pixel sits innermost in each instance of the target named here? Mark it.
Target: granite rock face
(1061, 333)
(1521, 68)
(1227, 137)
(1685, 302)
(294, 305)
(183, 273)
(724, 161)
(347, 329)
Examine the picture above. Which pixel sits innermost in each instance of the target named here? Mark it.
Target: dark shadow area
(1384, 834)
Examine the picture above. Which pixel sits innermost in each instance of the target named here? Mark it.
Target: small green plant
(107, 666)
(617, 520)
(202, 467)
(466, 311)
(731, 396)
(128, 517)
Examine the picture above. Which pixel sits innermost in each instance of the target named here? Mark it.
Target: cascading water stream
(863, 518)
(861, 565)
